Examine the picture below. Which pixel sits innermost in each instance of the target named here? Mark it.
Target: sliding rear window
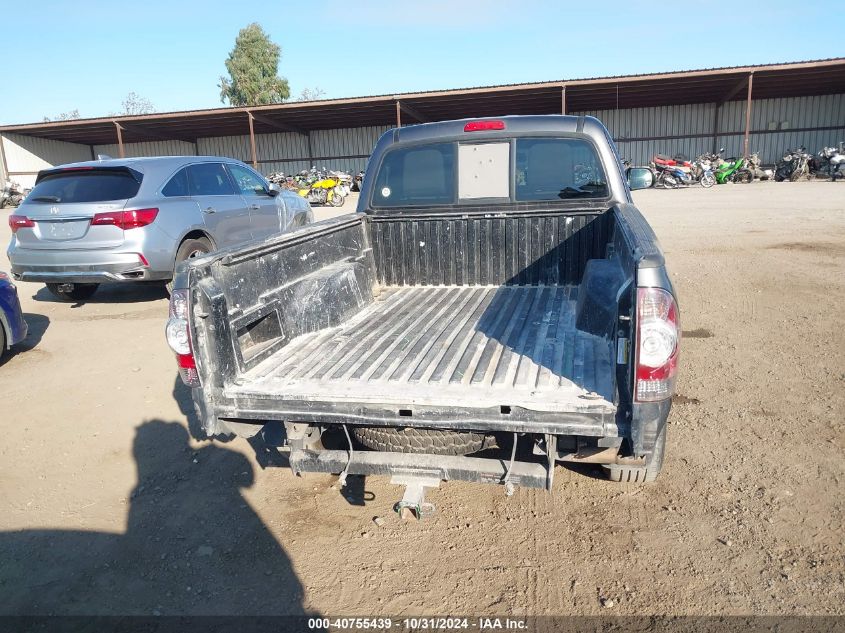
(94, 185)
(558, 169)
(421, 175)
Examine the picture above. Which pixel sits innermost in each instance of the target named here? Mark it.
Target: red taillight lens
(20, 222)
(125, 219)
(480, 126)
(178, 335)
(658, 344)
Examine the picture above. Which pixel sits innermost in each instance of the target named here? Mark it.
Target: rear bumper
(80, 266)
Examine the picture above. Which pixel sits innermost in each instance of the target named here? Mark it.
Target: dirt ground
(107, 506)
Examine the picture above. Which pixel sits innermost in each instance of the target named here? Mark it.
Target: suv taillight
(125, 219)
(658, 345)
(178, 333)
(20, 222)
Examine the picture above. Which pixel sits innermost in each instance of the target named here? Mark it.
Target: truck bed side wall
(267, 294)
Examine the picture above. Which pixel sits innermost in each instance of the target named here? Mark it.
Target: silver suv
(136, 219)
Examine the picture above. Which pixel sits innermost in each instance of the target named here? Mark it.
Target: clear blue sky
(88, 55)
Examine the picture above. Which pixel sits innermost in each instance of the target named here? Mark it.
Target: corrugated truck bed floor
(448, 346)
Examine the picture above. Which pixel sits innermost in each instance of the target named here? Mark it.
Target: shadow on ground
(192, 545)
(134, 292)
(37, 324)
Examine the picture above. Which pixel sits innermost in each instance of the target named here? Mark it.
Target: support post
(563, 99)
(748, 115)
(252, 141)
(121, 152)
(310, 150)
(716, 113)
(398, 114)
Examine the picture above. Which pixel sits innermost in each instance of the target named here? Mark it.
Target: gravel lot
(107, 506)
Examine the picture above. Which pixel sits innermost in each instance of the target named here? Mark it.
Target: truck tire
(640, 474)
(432, 441)
(80, 292)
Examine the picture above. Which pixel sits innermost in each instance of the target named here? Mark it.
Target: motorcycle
(675, 172)
(794, 165)
(702, 170)
(319, 188)
(344, 181)
(359, 181)
(757, 170)
(732, 170)
(12, 194)
(831, 163)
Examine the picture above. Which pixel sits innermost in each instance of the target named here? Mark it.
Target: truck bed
(449, 346)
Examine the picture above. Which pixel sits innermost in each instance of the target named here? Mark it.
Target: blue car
(12, 326)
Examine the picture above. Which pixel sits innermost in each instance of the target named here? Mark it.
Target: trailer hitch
(413, 504)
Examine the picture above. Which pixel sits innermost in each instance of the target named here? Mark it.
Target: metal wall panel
(229, 146)
(27, 155)
(147, 148)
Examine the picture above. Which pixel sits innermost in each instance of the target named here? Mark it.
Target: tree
(253, 67)
(65, 116)
(310, 94)
(136, 104)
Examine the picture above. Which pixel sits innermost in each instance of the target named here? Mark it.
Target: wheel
(78, 292)
(640, 474)
(3, 349)
(433, 441)
(707, 180)
(190, 248)
(336, 200)
(744, 176)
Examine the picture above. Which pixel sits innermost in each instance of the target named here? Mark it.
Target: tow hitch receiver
(66, 287)
(413, 504)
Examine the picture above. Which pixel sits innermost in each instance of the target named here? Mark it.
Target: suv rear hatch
(78, 207)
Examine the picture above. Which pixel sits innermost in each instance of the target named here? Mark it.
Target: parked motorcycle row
(319, 187)
(709, 169)
(12, 194)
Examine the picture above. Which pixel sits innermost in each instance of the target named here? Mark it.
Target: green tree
(253, 67)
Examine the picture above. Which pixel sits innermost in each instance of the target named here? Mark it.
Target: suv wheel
(195, 247)
(73, 292)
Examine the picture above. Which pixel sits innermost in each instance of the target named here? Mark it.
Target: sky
(62, 56)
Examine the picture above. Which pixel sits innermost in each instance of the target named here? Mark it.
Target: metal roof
(807, 78)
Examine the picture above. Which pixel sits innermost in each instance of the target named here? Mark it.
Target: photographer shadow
(192, 546)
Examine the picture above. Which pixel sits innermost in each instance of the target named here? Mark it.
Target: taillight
(178, 335)
(125, 219)
(480, 126)
(20, 222)
(658, 344)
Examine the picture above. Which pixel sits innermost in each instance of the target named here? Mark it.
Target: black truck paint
(516, 319)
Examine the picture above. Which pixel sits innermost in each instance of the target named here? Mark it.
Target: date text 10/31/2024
(418, 624)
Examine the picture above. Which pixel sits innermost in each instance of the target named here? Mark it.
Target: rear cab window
(508, 170)
(86, 185)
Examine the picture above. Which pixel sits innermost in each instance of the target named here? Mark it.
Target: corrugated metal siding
(698, 119)
(230, 146)
(147, 148)
(31, 154)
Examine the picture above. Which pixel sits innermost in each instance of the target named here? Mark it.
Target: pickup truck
(496, 305)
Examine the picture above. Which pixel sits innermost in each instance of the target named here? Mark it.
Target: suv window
(86, 185)
(178, 185)
(558, 168)
(210, 179)
(416, 176)
(248, 181)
